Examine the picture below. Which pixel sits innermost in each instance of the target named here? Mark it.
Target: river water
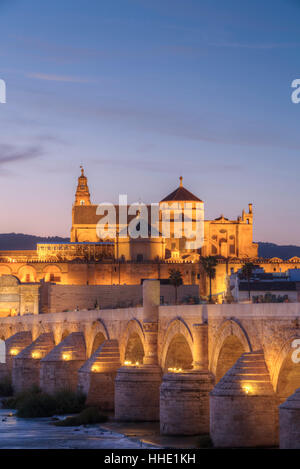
(16, 433)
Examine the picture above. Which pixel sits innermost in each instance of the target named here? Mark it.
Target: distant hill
(15, 241)
(269, 250)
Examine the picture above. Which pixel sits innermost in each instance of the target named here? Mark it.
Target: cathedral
(222, 237)
(119, 259)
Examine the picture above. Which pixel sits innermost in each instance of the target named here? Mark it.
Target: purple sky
(141, 92)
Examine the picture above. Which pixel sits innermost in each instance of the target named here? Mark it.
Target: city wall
(56, 298)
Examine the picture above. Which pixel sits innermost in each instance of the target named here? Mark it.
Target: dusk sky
(141, 92)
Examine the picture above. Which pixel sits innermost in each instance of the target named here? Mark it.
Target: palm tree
(246, 272)
(209, 265)
(175, 278)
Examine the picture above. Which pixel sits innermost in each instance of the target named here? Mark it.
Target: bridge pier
(4, 373)
(96, 378)
(184, 397)
(289, 422)
(59, 369)
(184, 403)
(137, 387)
(137, 393)
(14, 345)
(243, 406)
(26, 365)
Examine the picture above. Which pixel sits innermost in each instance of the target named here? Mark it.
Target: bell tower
(82, 196)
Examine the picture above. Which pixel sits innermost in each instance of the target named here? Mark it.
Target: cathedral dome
(181, 194)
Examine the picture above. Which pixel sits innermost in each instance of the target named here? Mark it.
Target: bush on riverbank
(6, 387)
(90, 415)
(35, 403)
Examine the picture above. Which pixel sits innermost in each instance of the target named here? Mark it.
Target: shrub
(35, 403)
(68, 402)
(16, 401)
(6, 387)
(87, 416)
(41, 405)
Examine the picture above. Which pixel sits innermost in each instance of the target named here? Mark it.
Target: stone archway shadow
(229, 328)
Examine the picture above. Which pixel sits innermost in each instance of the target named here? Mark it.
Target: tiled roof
(86, 214)
(181, 194)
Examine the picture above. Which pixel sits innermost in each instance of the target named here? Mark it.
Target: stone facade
(16, 298)
(228, 238)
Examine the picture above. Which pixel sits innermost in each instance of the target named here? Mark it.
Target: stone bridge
(230, 369)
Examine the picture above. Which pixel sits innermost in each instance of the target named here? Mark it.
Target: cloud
(59, 78)
(262, 46)
(158, 166)
(202, 125)
(48, 138)
(12, 153)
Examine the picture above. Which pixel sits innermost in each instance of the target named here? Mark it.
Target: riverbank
(18, 433)
(40, 433)
(148, 433)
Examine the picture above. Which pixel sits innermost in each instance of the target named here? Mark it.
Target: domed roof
(181, 194)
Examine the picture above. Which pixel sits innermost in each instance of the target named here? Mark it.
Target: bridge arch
(95, 336)
(132, 342)
(286, 372)
(177, 349)
(230, 342)
(39, 328)
(60, 331)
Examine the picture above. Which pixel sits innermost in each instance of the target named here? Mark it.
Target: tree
(246, 273)
(209, 265)
(175, 278)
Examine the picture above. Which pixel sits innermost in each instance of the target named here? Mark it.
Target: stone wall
(57, 298)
